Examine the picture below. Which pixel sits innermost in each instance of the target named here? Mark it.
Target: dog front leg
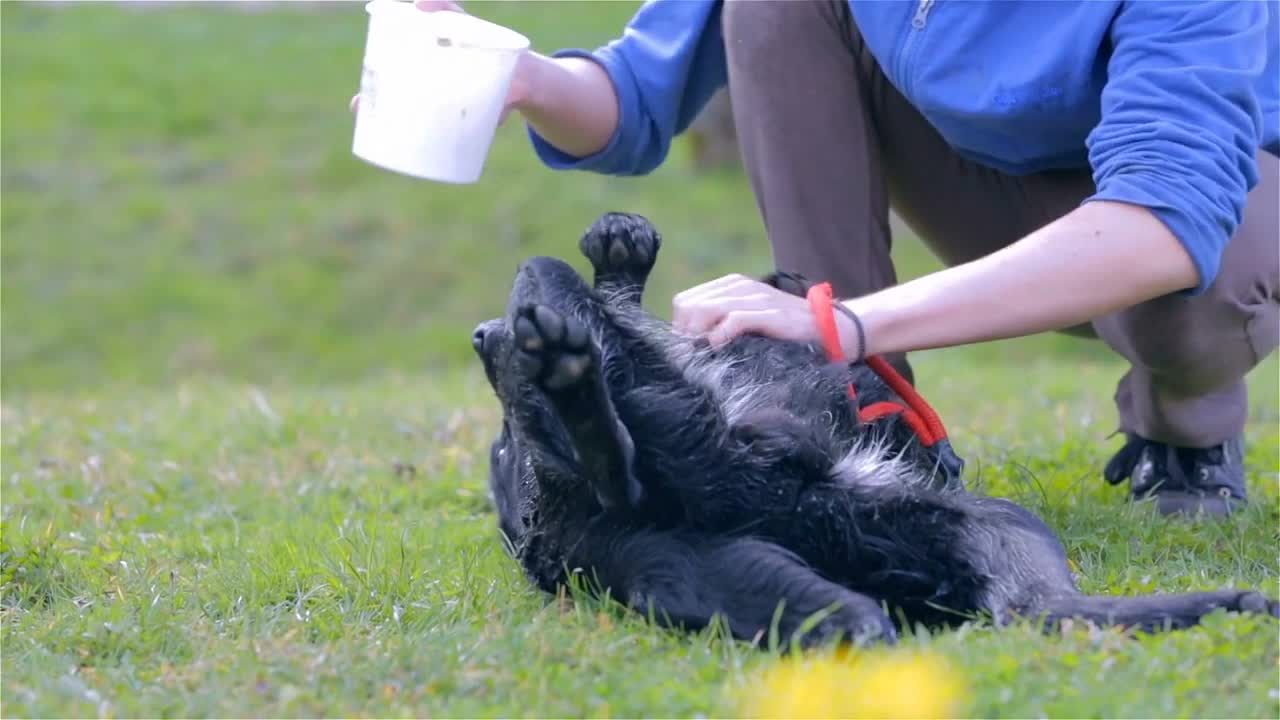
(622, 248)
(557, 354)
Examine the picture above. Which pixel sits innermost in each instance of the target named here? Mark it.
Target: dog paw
(553, 350)
(873, 629)
(621, 244)
(860, 630)
(1255, 603)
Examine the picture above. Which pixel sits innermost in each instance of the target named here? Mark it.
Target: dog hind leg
(684, 580)
(557, 353)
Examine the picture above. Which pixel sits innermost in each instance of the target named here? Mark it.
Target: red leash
(917, 413)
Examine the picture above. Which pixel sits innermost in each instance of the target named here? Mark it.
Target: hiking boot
(1181, 480)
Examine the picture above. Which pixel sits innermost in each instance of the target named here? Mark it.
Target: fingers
(690, 308)
(355, 102)
(741, 322)
(733, 305)
(702, 315)
(697, 309)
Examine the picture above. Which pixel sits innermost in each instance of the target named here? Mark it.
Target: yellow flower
(874, 684)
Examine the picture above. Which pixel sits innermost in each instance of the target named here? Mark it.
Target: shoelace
(1125, 461)
(1178, 478)
(1170, 464)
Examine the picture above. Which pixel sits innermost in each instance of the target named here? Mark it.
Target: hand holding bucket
(432, 90)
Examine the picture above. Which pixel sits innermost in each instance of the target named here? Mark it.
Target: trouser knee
(1202, 343)
(1194, 344)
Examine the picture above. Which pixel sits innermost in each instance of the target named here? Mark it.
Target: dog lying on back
(690, 482)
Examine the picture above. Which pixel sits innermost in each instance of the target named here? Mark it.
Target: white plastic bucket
(432, 90)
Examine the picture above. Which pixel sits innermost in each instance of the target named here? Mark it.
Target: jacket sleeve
(1180, 119)
(665, 67)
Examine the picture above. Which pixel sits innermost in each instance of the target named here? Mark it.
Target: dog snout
(480, 335)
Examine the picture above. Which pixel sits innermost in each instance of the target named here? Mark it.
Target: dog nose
(480, 336)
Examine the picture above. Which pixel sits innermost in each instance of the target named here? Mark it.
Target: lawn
(244, 441)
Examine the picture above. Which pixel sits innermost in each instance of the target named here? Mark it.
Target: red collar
(916, 413)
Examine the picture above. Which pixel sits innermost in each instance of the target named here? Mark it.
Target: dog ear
(788, 282)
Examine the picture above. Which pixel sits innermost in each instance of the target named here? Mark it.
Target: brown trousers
(829, 145)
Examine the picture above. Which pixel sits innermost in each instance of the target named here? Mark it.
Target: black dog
(692, 482)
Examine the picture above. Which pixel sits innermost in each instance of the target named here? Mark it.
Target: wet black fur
(691, 483)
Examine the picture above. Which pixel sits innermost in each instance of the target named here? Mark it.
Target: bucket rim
(514, 41)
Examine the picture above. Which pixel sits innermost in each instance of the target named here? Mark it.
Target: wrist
(851, 330)
(526, 91)
(878, 324)
(544, 84)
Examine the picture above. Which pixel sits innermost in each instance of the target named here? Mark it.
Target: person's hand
(519, 82)
(734, 305)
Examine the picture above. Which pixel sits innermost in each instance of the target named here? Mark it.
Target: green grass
(244, 442)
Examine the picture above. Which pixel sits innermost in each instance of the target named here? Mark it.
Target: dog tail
(1154, 613)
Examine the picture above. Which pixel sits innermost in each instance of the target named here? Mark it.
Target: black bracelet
(857, 324)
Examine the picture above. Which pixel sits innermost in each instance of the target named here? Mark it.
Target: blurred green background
(180, 200)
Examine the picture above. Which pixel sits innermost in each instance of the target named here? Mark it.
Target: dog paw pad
(527, 335)
(554, 348)
(618, 254)
(621, 243)
(575, 336)
(550, 324)
(567, 370)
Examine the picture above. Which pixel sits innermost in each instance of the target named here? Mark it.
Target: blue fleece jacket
(1168, 102)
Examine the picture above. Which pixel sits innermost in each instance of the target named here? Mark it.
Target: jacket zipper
(918, 22)
(921, 17)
